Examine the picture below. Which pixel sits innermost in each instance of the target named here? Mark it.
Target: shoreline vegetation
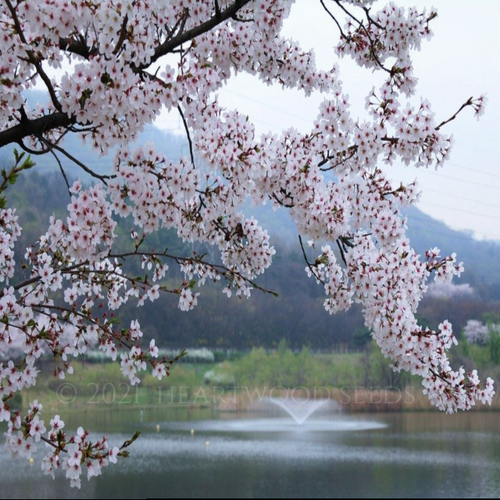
(358, 400)
(237, 382)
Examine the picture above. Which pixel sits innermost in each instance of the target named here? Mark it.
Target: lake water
(331, 455)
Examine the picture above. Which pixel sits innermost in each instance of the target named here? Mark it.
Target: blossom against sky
(460, 61)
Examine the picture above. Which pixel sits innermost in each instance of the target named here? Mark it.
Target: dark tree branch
(281, 202)
(35, 279)
(342, 254)
(123, 35)
(357, 21)
(188, 135)
(179, 25)
(309, 265)
(468, 103)
(33, 58)
(63, 173)
(77, 46)
(185, 36)
(333, 17)
(89, 171)
(352, 150)
(35, 127)
(32, 151)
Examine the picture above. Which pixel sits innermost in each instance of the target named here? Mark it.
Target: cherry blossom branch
(36, 279)
(311, 267)
(220, 269)
(75, 287)
(469, 102)
(352, 152)
(373, 49)
(33, 59)
(175, 42)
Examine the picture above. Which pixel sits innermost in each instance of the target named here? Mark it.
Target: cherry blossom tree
(448, 290)
(476, 332)
(130, 59)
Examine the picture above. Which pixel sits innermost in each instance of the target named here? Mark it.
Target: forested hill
(481, 258)
(170, 145)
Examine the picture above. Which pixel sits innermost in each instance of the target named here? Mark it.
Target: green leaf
(28, 163)
(13, 178)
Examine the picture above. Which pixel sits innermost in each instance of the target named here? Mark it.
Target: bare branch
(463, 106)
(186, 128)
(333, 17)
(51, 150)
(78, 162)
(342, 254)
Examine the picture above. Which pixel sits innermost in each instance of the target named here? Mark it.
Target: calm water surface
(333, 455)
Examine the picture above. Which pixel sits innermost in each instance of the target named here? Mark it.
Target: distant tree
(476, 332)
(127, 61)
(449, 290)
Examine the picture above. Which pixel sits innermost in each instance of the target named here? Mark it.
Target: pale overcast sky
(460, 61)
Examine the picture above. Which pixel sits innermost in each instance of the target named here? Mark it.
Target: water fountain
(266, 415)
(299, 410)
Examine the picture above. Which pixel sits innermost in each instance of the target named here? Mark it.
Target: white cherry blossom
(119, 74)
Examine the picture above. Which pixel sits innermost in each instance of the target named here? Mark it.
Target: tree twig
(80, 164)
(333, 17)
(186, 128)
(467, 103)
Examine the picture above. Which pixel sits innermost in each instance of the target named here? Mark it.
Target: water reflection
(277, 425)
(425, 454)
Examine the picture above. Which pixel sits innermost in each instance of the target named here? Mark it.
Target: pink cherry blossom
(127, 61)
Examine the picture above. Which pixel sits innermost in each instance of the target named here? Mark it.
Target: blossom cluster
(63, 452)
(125, 62)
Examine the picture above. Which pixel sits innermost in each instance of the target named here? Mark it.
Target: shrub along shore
(356, 382)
